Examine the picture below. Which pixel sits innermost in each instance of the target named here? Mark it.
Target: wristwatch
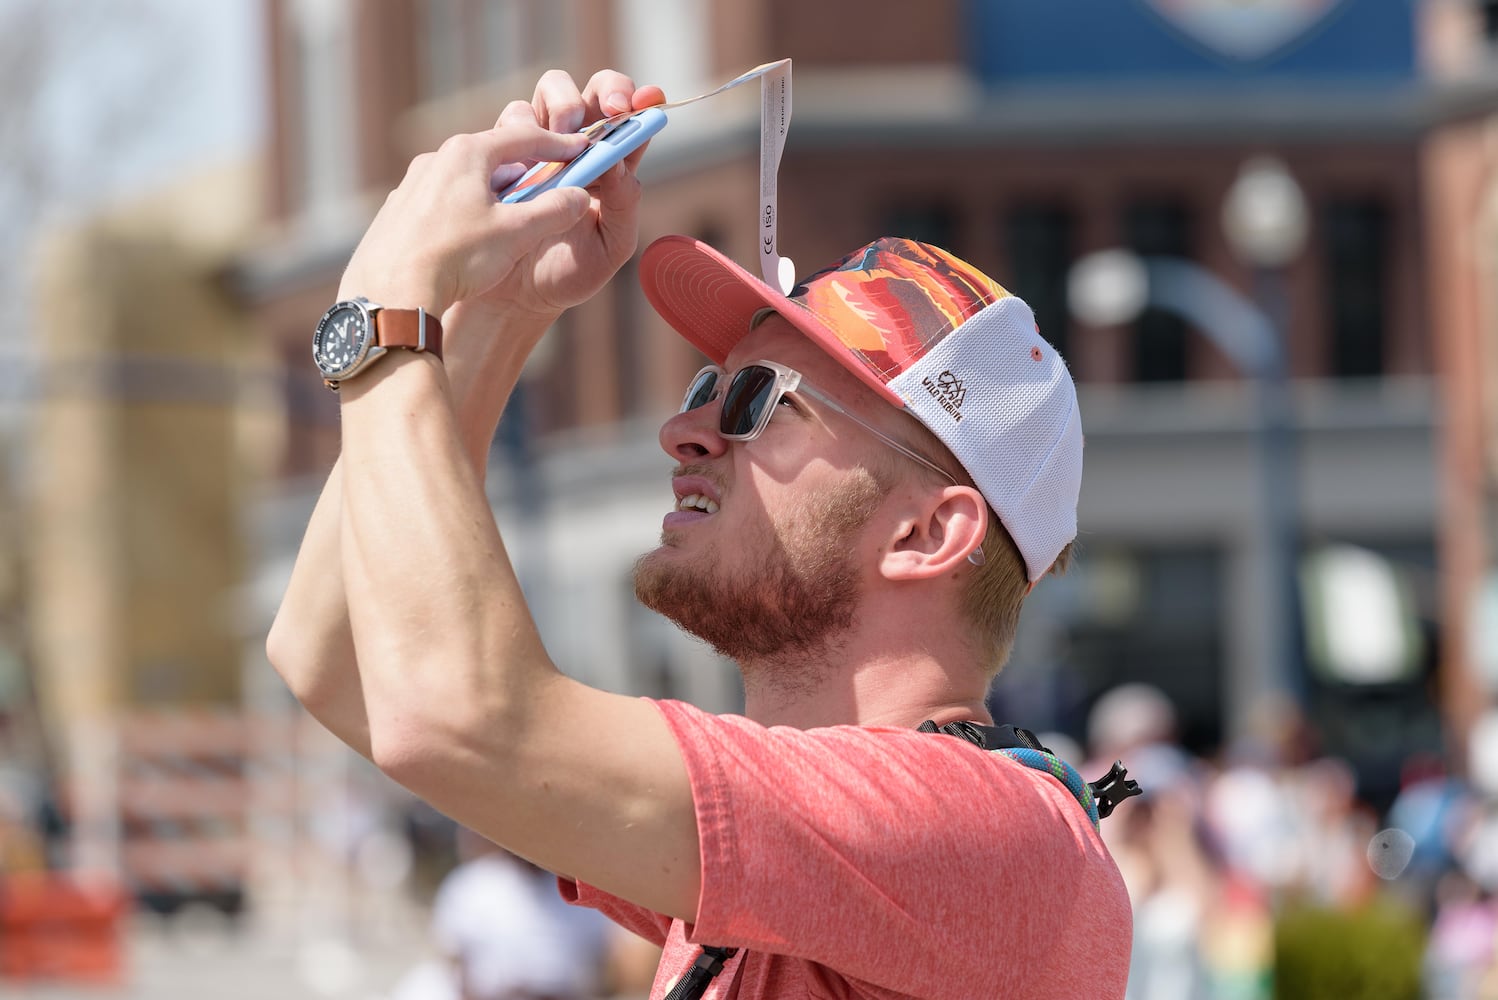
(355, 333)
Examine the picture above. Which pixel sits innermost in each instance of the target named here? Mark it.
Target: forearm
(464, 706)
(310, 642)
(438, 621)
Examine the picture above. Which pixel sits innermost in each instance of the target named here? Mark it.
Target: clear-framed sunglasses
(756, 389)
(753, 392)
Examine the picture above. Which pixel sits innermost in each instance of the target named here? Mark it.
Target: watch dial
(340, 340)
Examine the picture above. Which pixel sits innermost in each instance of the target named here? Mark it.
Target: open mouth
(698, 503)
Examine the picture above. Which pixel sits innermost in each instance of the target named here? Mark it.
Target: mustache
(699, 469)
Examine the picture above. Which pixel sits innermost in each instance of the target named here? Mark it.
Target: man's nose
(693, 434)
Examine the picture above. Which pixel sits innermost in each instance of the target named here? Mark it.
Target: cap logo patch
(948, 390)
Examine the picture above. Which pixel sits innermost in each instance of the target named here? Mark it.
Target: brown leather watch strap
(415, 329)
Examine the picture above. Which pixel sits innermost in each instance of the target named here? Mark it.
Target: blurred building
(136, 547)
(145, 428)
(1022, 136)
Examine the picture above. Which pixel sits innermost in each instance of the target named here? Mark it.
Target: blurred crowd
(1260, 873)
(1263, 874)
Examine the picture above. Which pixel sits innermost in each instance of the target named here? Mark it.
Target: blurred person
(1172, 886)
(1335, 828)
(1252, 809)
(1187, 945)
(863, 566)
(1129, 716)
(1201, 928)
(505, 934)
(1433, 806)
(1460, 950)
(1138, 722)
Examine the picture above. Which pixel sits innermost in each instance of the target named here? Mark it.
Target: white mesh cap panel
(1000, 397)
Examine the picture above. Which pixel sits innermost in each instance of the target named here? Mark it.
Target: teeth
(696, 501)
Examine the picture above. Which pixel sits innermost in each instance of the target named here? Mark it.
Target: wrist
(395, 294)
(487, 347)
(487, 351)
(510, 322)
(400, 373)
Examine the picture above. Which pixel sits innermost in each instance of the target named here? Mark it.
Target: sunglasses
(756, 389)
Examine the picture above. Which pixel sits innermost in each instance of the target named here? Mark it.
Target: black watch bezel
(364, 310)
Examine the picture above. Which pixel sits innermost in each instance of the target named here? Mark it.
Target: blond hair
(996, 590)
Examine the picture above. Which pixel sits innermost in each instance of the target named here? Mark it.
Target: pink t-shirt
(872, 862)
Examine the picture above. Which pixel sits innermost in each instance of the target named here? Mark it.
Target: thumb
(545, 215)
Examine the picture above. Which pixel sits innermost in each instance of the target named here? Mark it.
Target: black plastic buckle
(1112, 788)
(713, 959)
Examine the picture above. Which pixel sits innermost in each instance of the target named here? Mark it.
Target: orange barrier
(53, 927)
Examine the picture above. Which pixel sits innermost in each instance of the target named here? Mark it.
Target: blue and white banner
(1243, 30)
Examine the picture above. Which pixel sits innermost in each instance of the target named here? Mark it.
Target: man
(507, 936)
(842, 552)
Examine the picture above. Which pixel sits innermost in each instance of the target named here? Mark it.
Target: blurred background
(1263, 232)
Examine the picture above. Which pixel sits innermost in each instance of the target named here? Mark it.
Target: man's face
(769, 558)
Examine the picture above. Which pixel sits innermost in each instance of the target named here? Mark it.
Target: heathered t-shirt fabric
(858, 861)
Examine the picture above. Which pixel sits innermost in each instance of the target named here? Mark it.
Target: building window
(324, 108)
(1151, 615)
(444, 47)
(502, 28)
(668, 42)
(1159, 228)
(553, 24)
(467, 42)
(1357, 249)
(1038, 240)
(935, 224)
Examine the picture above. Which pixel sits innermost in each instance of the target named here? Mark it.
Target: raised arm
(310, 643)
(488, 337)
(460, 702)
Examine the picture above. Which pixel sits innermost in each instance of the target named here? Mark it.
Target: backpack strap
(694, 983)
(1097, 798)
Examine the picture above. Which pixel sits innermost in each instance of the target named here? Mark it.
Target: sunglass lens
(746, 399)
(700, 393)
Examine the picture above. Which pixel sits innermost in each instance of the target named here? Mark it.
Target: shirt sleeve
(648, 924)
(885, 854)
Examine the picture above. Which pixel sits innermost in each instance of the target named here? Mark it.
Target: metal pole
(1250, 336)
(1281, 483)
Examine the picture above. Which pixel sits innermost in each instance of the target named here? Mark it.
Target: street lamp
(1264, 216)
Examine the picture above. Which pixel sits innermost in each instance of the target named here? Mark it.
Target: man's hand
(487, 337)
(572, 266)
(441, 235)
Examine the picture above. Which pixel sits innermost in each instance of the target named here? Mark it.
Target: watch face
(342, 340)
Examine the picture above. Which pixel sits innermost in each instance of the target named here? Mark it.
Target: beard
(800, 594)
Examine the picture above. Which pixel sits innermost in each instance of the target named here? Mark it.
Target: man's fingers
(648, 96)
(560, 106)
(517, 113)
(558, 103)
(608, 92)
(556, 211)
(527, 143)
(504, 175)
(618, 204)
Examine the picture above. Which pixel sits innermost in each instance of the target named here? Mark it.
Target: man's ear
(936, 535)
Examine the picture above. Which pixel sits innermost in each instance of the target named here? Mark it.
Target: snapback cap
(930, 334)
